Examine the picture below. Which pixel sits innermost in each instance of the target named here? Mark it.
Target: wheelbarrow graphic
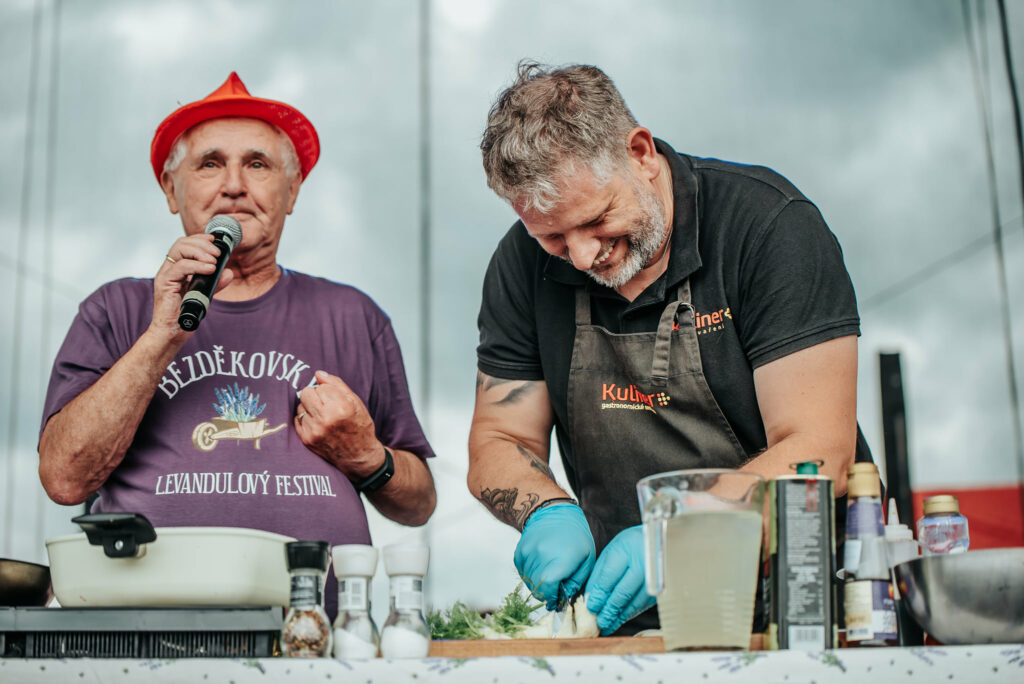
(206, 435)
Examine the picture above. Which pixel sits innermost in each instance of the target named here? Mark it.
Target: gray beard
(650, 231)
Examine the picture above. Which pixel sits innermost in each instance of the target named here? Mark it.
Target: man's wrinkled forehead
(573, 185)
(211, 151)
(216, 136)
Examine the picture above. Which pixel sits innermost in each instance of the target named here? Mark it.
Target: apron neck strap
(663, 341)
(582, 306)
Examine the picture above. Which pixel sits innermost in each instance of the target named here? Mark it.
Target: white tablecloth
(931, 665)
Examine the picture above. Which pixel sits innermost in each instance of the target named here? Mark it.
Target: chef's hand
(555, 553)
(333, 422)
(615, 591)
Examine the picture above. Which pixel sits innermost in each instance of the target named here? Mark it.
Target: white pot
(185, 566)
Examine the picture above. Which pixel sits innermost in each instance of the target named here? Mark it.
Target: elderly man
(662, 312)
(288, 402)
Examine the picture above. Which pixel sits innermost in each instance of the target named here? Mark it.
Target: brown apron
(639, 404)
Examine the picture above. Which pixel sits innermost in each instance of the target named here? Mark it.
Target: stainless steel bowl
(24, 584)
(975, 597)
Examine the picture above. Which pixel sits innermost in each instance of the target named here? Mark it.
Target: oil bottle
(868, 594)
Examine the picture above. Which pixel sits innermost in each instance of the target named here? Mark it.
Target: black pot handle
(120, 534)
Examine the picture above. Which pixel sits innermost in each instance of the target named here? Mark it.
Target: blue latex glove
(556, 553)
(615, 591)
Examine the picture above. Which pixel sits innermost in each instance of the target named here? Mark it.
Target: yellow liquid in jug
(711, 571)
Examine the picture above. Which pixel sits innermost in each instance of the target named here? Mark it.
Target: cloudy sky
(869, 107)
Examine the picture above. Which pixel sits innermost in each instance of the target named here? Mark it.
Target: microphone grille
(221, 223)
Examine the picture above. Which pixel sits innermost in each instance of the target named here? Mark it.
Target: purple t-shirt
(217, 446)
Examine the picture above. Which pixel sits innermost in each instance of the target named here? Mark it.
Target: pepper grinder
(405, 632)
(307, 631)
(355, 634)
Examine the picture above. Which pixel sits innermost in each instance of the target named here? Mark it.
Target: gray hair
(548, 122)
(180, 149)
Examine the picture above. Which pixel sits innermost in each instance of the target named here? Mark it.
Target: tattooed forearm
(503, 504)
(536, 461)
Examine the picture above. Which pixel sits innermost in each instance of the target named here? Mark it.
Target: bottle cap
(862, 480)
(359, 560)
(894, 530)
(941, 503)
(406, 559)
(307, 554)
(807, 468)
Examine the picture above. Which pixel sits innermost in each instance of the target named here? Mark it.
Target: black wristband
(548, 502)
(380, 477)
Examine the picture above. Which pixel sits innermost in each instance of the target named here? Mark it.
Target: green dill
(458, 622)
(514, 614)
(462, 622)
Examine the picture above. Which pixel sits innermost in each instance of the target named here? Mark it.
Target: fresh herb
(514, 614)
(458, 622)
(462, 622)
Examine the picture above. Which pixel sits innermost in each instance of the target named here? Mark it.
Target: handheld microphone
(227, 234)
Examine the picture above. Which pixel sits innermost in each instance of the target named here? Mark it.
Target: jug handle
(654, 547)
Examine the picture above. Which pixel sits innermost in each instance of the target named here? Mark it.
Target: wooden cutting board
(482, 648)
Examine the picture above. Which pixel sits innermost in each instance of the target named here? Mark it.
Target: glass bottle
(942, 528)
(405, 632)
(355, 634)
(306, 632)
(868, 594)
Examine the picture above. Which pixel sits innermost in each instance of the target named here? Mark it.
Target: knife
(561, 608)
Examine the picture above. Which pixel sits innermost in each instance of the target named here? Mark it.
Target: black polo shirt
(766, 274)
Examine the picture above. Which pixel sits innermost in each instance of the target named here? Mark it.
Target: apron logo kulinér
(631, 398)
(708, 323)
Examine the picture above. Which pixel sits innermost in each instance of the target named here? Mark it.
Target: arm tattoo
(517, 392)
(536, 461)
(502, 503)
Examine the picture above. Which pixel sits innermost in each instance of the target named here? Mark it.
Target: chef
(288, 402)
(661, 311)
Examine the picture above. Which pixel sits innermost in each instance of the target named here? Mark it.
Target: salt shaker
(306, 632)
(942, 528)
(355, 634)
(405, 632)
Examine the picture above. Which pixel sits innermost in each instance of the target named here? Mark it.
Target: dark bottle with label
(868, 596)
(306, 632)
(803, 561)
